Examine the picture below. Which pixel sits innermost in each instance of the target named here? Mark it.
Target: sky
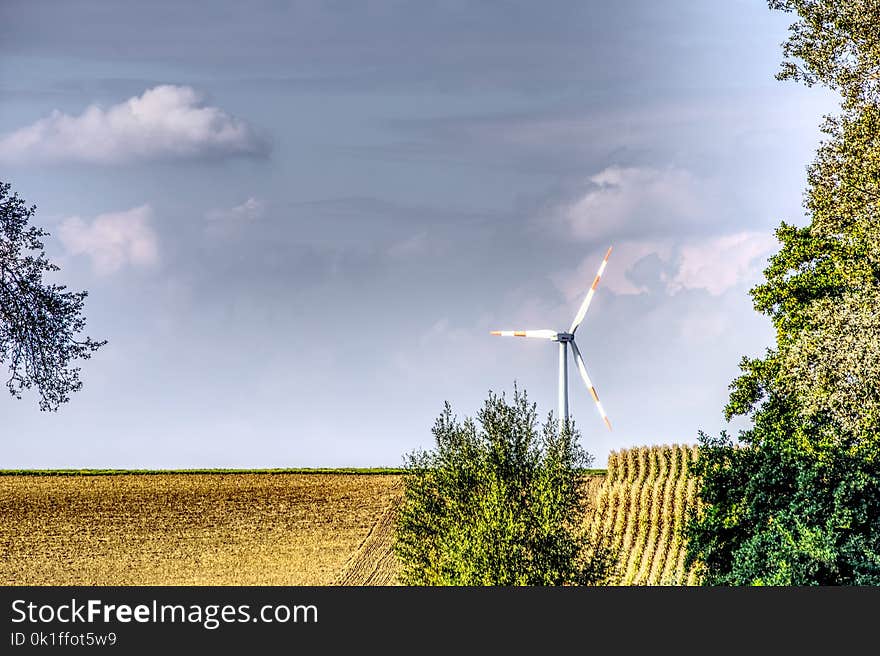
(298, 221)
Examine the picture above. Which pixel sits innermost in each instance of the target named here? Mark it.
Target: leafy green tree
(39, 322)
(498, 502)
(796, 499)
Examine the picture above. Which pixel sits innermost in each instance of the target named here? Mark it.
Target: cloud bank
(716, 264)
(661, 225)
(711, 264)
(165, 122)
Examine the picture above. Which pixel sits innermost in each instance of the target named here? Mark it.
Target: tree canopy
(796, 499)
(40, 322)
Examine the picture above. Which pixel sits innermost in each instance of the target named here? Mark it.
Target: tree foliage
(796, 499)
(498, 502)
(836, 44)
(39, 322)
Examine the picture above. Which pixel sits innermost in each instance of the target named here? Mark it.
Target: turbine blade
(583, 310)
(583, 371)
(538, 334)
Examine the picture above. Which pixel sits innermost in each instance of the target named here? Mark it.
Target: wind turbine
(564, 340)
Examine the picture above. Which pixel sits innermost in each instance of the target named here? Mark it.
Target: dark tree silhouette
(39, 322)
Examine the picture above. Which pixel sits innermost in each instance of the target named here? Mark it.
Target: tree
(796, 500)
(498, 504)
(39, 322)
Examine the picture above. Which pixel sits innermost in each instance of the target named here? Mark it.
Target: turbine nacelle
(564, 337)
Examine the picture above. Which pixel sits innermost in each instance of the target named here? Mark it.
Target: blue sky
(298, 221)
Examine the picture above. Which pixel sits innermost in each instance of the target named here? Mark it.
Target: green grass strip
(123, 472)
(291, 470)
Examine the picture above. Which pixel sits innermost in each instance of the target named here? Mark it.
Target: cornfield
(640, 510)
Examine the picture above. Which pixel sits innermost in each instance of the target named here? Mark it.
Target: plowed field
(186, 529)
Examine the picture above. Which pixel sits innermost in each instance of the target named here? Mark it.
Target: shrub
(498, 502)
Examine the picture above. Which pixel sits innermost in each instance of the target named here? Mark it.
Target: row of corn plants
(640, 511)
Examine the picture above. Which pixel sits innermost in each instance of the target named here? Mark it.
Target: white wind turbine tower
(564, 340)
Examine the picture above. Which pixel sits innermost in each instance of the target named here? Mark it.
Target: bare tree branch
(39, 322)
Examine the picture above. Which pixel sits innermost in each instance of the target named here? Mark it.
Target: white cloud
(229, 222)
(616, 279)
(713, 264)
(113, 240)
(250, 210)
(716, 264)
(164, 122)
(658, 220)
(624, 257)
(622, 200)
